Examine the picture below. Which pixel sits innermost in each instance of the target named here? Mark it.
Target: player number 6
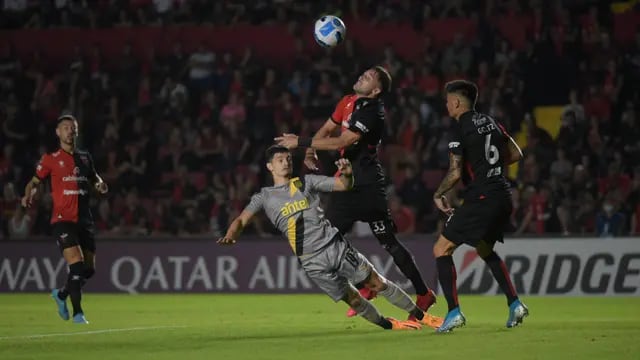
(491, 152)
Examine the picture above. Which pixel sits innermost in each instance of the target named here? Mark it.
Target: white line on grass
(105, 331)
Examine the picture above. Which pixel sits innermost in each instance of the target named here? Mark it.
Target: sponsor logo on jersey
(293, 207)
(75, 176)
(361, 126)
(75, 192)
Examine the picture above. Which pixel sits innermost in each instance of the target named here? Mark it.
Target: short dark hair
(65, 117)
(273, 150)
(464, 88)
(384, 78)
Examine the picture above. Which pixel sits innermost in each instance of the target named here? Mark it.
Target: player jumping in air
(361, 118)
(292, 205)
(479, 151)
(72, 176)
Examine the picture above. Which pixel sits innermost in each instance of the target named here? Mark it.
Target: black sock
(74, 286)
(417, 313)
(447, 276)
(385, 324)
(407, 264)
(63, 293)
(500, 273)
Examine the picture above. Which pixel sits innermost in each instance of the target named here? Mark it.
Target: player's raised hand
(311, 159)
(226, 241)
(290, 141)
(344, 166)
(102, 187)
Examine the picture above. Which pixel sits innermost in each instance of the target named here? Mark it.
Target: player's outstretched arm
(291, 141)
(454, 174)
(515, 153)
(30, 191)
(345, 181)
(346, 138)
(310, 157)
(236, 227)
(327, 129)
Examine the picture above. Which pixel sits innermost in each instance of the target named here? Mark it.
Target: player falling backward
(485, 148)
(361, 119)
(292, 205)
(72, 175)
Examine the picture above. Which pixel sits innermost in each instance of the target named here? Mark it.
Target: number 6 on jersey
(492, 154)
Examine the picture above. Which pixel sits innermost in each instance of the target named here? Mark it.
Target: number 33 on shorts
(378, 227)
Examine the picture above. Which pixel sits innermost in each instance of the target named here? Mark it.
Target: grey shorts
(336, 267)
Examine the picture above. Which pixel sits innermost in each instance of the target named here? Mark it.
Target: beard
(68, 141)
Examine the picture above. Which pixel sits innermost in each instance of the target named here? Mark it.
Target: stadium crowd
(180, 136)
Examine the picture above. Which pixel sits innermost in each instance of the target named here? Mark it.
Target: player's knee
(438, 250)
(72, 255)
(89, 272)
(376, 282)
(443, 247)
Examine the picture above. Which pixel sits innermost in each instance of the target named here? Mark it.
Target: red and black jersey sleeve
(338, 112)
(43, 169)
(456, 144)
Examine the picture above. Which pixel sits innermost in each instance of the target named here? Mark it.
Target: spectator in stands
(152, 116)
(610, 221)
(561, 167)
(201, 64)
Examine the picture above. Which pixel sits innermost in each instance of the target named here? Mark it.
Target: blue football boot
(62, 305)
(454, 319)
(517, 312)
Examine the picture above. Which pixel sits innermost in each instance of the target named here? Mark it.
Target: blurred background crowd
(179, 133)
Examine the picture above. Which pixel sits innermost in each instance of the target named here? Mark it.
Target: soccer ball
(329, 31)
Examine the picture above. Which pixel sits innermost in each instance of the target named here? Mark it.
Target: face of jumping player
(281, 165)
(67, 132)
(368, 84)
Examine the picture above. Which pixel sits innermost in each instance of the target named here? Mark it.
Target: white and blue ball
(329, 31)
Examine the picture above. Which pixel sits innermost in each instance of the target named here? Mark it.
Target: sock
(74, 286)
(63, 293)
(86, 275)
(407, 264)
(369, 312)
(447, 277)
(399, 298)
(500, 273)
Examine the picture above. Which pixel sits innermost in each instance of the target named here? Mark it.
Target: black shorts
(364, 203)
(477, 220)
(70, 234)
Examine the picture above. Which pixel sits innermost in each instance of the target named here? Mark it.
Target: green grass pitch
(182, 327)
